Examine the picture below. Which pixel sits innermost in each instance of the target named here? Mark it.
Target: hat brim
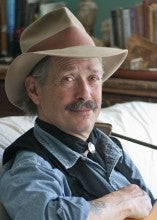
(24, 63)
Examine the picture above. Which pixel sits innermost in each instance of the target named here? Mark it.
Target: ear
(32, 88)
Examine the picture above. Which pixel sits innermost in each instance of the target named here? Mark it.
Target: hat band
(69, 37)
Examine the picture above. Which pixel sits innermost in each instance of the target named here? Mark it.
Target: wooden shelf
(119, 90)
(136, 74)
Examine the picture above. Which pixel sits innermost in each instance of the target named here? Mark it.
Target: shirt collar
(67, 155)
(73, 142)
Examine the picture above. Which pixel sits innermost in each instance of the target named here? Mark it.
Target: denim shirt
(30, 188)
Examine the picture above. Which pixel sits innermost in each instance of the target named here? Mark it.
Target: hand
(152, 216)
(130, 201)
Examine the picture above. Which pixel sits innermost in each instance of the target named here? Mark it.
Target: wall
(104, 6)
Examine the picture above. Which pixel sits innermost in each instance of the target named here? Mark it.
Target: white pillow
(137, 120)
(11, 128)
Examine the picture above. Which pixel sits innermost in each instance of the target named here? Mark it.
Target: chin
(85, 127)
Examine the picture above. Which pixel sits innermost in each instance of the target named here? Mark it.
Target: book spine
(10, 10)
(31, 12)
(154, 15)
(126, 25)
(114, 28)
(120, 28)
(20, 14)
(146, 15)
(19, 23)
(150, 22)
(3, 30)
(133, 20)
(140, 19)
(117, 27)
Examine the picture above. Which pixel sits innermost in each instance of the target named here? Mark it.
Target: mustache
(80, 104)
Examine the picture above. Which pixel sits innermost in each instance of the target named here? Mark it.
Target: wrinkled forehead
(64, 63)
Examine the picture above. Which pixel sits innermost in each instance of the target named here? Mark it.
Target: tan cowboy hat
(58, 33)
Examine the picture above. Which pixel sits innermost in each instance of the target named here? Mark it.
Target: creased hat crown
(49, 26)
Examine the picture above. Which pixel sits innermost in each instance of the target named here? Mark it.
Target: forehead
(63, 63)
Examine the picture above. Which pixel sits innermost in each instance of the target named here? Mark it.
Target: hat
(58, 33)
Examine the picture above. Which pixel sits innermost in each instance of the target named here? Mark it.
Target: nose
(83, 90)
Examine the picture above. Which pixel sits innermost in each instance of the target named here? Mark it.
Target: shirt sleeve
(31, 189)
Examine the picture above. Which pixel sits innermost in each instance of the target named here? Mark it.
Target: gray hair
(40, 73)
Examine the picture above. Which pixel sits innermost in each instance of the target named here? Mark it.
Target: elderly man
(64, 168)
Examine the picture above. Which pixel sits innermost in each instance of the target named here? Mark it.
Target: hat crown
(48, 26)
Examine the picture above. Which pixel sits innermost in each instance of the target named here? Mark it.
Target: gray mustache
(80, 104)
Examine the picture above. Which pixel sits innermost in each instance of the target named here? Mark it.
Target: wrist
(104, 210)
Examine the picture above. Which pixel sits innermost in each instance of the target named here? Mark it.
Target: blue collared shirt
(30, 188)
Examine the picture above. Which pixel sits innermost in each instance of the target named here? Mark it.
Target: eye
(95, 78)
(68, 78)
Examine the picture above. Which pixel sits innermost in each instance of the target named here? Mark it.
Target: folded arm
(31, 188)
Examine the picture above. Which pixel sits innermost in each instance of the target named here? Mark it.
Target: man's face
(71, 96)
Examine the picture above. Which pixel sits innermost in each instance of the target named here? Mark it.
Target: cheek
(56, 97)
(61, 98)
(98, 94)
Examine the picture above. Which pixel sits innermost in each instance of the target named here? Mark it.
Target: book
(154, 26)
(10, 15)
(152, 21)
(126, 25)
(31, 11)
(136, 19)
(117, 27)
(146, 15)
(3, 28)
(140, 19)
(20, 14)
(133, 20)
(19, 23)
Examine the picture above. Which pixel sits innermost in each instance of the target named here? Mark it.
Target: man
(63, 168)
